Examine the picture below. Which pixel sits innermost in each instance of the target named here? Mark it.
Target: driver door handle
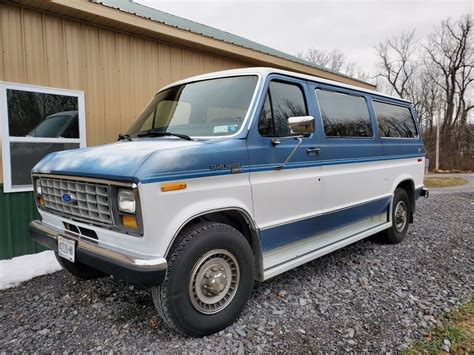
(313, 151)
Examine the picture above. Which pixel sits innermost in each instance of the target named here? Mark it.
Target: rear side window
(394, 121)
(344, 115)
(283, 100)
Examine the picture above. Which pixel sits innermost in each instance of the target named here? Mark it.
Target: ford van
(227, 178)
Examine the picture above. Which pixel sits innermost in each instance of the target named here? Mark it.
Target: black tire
(176, 304)
(396, 233)
(79, 270)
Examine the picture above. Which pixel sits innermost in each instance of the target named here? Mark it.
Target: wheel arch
(236, 217)
(408, 184)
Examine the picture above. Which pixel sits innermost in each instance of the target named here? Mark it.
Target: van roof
(264, 72)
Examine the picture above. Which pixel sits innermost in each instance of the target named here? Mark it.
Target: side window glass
(283, 100)
(265, 124)
(344, 115)
(394, 121)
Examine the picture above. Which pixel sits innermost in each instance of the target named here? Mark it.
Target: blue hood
(146, 160)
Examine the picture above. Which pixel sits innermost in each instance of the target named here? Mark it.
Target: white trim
(265, 71)
(5, 134)
(43, 140)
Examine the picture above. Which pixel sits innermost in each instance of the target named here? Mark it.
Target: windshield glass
(51, 127)
(215, 107)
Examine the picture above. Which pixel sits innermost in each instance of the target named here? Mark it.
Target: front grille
(89, 201)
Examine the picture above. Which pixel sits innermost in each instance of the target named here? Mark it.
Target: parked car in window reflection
(25, 155)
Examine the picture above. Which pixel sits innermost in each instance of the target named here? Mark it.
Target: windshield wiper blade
(124, 137)
(156, 133)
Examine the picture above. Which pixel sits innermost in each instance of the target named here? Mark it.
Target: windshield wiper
(157, 133)
(124, 137)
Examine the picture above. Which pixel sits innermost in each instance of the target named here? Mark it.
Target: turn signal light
(173, 186)
(41, 202)
(129, 221)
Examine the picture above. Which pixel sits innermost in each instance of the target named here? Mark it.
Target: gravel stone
(368, 297)
(350, 332)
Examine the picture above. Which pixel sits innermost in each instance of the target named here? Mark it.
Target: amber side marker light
(173, 186)
(129, 221)
(41, 202)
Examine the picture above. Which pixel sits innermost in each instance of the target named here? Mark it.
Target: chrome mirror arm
(300, 140)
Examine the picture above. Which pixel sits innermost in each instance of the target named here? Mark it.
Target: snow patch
(23, 268)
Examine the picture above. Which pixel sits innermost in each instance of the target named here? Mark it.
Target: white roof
(264, 72)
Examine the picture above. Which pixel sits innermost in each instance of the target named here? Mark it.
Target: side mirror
(301, 125)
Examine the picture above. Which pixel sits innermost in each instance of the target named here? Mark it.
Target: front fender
(164, 213)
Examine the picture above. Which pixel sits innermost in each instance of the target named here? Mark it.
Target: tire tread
(159, 293)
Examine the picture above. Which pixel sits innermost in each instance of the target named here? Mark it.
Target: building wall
(118, 73)
(17, 209)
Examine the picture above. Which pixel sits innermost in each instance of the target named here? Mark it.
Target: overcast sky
(354, 26)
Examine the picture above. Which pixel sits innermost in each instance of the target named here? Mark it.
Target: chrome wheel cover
(214, 281)
(400, 216)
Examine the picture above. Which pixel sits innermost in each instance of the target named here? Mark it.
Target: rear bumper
(425, 192)
(133, 269)
(422, 192)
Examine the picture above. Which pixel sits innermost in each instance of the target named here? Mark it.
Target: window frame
(6, 139)
(266, 92)
(399, 105)
(344, 92)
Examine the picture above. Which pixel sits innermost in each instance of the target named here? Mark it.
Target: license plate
(66, 248)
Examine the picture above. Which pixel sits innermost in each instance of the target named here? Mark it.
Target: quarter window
(344, 115)
(283, 100)
(37, 121)
(394, 121)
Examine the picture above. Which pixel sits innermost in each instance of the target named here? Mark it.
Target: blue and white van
(231, 177)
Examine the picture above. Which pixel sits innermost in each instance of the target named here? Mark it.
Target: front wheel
(209, 280)
(400, 218)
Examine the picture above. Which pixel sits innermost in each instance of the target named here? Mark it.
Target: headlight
(38, 187)
(126, 201)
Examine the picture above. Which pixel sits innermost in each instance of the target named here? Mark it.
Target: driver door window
(283, 100)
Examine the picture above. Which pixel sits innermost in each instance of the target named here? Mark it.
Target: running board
(271, 258)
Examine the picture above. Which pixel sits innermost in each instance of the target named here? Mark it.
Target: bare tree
(437, 77)
(450, 52)
(396, 59)
(334, 60)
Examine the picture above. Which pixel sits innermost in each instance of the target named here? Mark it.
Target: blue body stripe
(288, 233)
(192, 174)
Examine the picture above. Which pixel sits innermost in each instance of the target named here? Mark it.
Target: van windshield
(215, 107)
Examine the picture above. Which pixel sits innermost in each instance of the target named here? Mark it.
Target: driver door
(285, 200)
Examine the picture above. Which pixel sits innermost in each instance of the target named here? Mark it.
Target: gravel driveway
(365, 297)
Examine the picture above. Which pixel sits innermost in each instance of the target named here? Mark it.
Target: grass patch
(440, 181)
(458, 328)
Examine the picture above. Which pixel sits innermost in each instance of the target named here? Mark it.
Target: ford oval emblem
(69, 198)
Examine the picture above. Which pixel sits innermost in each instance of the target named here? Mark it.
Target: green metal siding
(16, 211)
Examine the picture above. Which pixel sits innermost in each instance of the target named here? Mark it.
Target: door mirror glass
(301, 125)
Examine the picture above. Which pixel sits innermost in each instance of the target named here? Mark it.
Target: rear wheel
(78, 269)
(400, 218)
(209, 280)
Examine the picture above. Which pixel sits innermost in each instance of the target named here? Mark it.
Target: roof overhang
(97, 14)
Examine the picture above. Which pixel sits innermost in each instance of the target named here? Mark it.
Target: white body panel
(282, 196)
(344, 185)
(279, 197)
(164, 213)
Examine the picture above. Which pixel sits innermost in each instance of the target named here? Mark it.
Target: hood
(116, 161)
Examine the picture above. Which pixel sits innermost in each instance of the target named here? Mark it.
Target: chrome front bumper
(133, 269)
